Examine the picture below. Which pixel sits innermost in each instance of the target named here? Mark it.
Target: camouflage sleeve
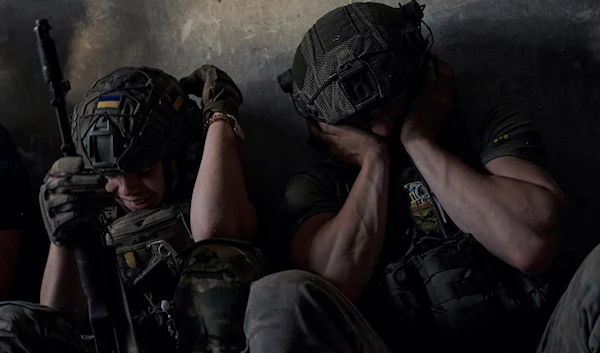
(308, 193)
(502, 131)
(14, 185)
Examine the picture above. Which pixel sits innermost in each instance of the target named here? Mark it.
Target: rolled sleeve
(309, 193)
(504, 131)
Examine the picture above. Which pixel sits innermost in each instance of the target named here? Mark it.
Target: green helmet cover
(130, 119)
(354, 57)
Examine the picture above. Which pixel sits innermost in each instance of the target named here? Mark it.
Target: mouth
(137, 201)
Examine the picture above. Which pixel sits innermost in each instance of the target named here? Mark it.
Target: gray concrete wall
(541, 55)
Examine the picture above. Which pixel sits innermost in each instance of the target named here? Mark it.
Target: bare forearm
(10, 244)
(346, 249)
(61, 286)
(509, 217)
(220, 204)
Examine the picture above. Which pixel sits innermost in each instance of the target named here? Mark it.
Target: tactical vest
(146, 243)
(443, 284)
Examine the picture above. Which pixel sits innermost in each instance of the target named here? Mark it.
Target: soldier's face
(381, 121)
(140, 190)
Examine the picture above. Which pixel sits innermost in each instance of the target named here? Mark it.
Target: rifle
(104, 300)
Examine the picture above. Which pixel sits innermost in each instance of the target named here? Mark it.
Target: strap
(461, 287)
(444, 261)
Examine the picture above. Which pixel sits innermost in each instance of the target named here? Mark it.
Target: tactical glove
(71, 197)
(218, 91)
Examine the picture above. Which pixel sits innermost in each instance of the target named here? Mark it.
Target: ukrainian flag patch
(109, 102)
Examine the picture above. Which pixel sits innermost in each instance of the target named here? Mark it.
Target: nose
(123, 185)
(383, 126)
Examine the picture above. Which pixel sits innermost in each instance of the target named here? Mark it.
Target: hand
(348, 144)
(70, 197)
(218, 91)
(427, 112)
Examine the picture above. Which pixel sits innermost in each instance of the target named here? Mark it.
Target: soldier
(134, 132)
(435, 220)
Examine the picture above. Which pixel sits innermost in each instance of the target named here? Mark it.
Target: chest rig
(146, 244)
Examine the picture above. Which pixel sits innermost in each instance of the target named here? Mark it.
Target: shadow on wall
(27, 113)
(549, 68)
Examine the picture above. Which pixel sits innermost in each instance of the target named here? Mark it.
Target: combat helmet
(130, 119)
(354, 57)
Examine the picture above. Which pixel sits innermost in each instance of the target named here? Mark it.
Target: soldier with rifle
(117, 208)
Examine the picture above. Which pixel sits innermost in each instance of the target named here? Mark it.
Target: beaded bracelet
(237, 129)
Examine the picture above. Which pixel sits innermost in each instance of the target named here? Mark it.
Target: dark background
(540, 55)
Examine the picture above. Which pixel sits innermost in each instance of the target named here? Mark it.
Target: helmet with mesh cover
(353, 58)
(130, 120)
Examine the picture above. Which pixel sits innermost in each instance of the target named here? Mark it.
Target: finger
(328, 129)
(320, 136)
(76, 182)
(312, 123)
(338, 130)
(70, 221)
(80, 206)
(80, 190)
(193, 84)
(313, 128)
(66, 202)
(67, 165)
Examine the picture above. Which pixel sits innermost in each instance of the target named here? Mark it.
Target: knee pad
(212, 294)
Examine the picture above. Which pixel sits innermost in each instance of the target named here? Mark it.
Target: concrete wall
(541, 55)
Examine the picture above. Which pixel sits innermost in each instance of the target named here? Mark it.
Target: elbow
(535, 258)
(537, 253)
(532, 267)
(239, 226)
(349, 288)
